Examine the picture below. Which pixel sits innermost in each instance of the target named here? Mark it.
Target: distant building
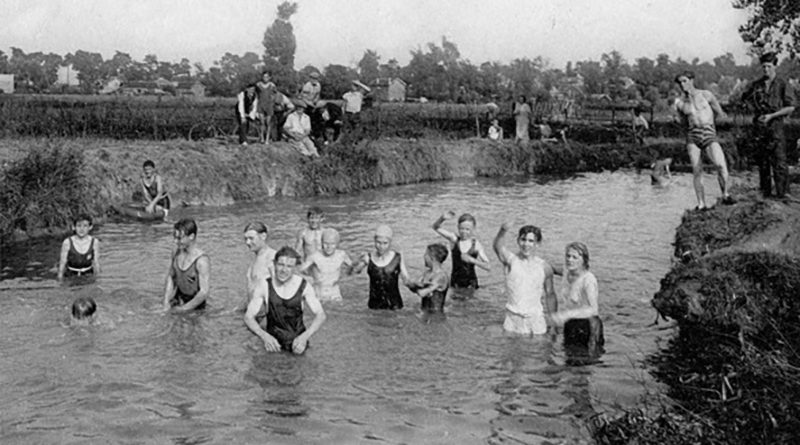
(67, 76)
(141, 88)
(190, 88)
(112, 86)
(7, 83)
(389, 89)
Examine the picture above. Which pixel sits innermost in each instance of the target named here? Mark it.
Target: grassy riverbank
(106, 172)
(733, 370)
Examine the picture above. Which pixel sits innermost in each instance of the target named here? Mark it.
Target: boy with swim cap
(326, 266)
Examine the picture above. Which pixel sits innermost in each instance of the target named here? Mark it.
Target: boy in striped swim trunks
(697, 110)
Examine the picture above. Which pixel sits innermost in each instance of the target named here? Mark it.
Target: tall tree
(89, 67)
(773, 24)
(336, 80)
(279, 47)
(368, 66)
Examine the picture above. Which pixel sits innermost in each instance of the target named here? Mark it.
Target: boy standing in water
(528, 279)
(187, 283)
(283, 295)
(309, 240)
(255, 238)
(467, 251)
(80, 253)
(155, 197)
(433, 284)
(326, 266)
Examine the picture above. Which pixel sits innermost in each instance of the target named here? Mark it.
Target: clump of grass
(42, 191)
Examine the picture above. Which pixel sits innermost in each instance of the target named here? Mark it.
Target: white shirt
(352, 101)
(297, 123)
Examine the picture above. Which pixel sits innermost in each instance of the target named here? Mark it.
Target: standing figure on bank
(186, 286)
(80, 253)
(697, 110)
(246, 110)
(297, 129)
(578, 309)
(267, 96)
(283, 295)
(528, 280)
(311, 90)
(639, 126)
(773, 100)
(155, 195)
(522, 115)
(353, 100)
(385, 268)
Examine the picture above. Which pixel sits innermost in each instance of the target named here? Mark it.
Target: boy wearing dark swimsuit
(80, 253)
(187, 283)
(155, 197)
(433, 284)
(467, 251)
(283, 296)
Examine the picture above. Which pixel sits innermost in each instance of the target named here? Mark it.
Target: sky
(339, 31)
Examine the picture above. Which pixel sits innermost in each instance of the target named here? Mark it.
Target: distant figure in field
(495, 131)
(186, 285)
(155, 195)
(639, 126)
(246, 110)
(311, 90)
(297, 129)
(546, 133)
(773, 100)
(80, 253)
(697, 110)
(284, 295)
(522, 116)
(353, 100)
(660, 174)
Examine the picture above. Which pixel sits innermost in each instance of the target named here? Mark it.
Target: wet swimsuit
(463, 275)
(578, 332)
(434, 302)
(384, 291)
(152, 192)
(187, 283)
(703, 137)
(285, 317)
(80, 263)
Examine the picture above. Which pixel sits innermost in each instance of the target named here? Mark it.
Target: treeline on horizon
(437, 72)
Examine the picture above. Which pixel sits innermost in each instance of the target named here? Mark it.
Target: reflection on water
(138, 375)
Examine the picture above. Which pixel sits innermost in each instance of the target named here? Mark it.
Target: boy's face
(465, 229)
(82, 228)
(182, 240)
(314, 221)
(284, 268)
(574, 260)
(382, 244)
(527, 244)
(265, 77)
(149, 171)
(329, 244)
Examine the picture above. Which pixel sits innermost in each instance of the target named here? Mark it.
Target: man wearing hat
(297, 129)
(311, 90)
(772, 99)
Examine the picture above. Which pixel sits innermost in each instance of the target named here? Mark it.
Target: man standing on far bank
(697, 110)
(773, 100)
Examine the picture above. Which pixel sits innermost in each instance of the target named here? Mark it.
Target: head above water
(83, 308)
(287, 252)
(437, 252)
(525, 230)
(314, 211)
(186, 226)
(384, 231)
(82, 217)
(256, 226)
(581, 249)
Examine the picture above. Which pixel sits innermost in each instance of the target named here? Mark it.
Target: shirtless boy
(697, 110)
(309, 240)
(326, 266)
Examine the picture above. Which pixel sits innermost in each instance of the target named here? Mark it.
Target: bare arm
(715, 106)
(169, 287)
(300, 242)
(403, 270)
(96, 259)
(160, 194)
(437, 227)
(360, 264)
(203, 272)
(240, 106)
(315, 307)
(256, 302)
(501, 252)
(62, 260)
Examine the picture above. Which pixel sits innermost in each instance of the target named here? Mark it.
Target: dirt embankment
(734, 367)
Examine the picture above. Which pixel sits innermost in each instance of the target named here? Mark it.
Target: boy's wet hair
(289, 252)
(82, 217)
(257, 226)
(582, 250)
(312, 211)
(83, 307)
(525, 230)
(149, 163)
(467, 217)
(187, 226)
(437, 252)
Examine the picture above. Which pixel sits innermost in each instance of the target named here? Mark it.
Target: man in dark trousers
(773, 100)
